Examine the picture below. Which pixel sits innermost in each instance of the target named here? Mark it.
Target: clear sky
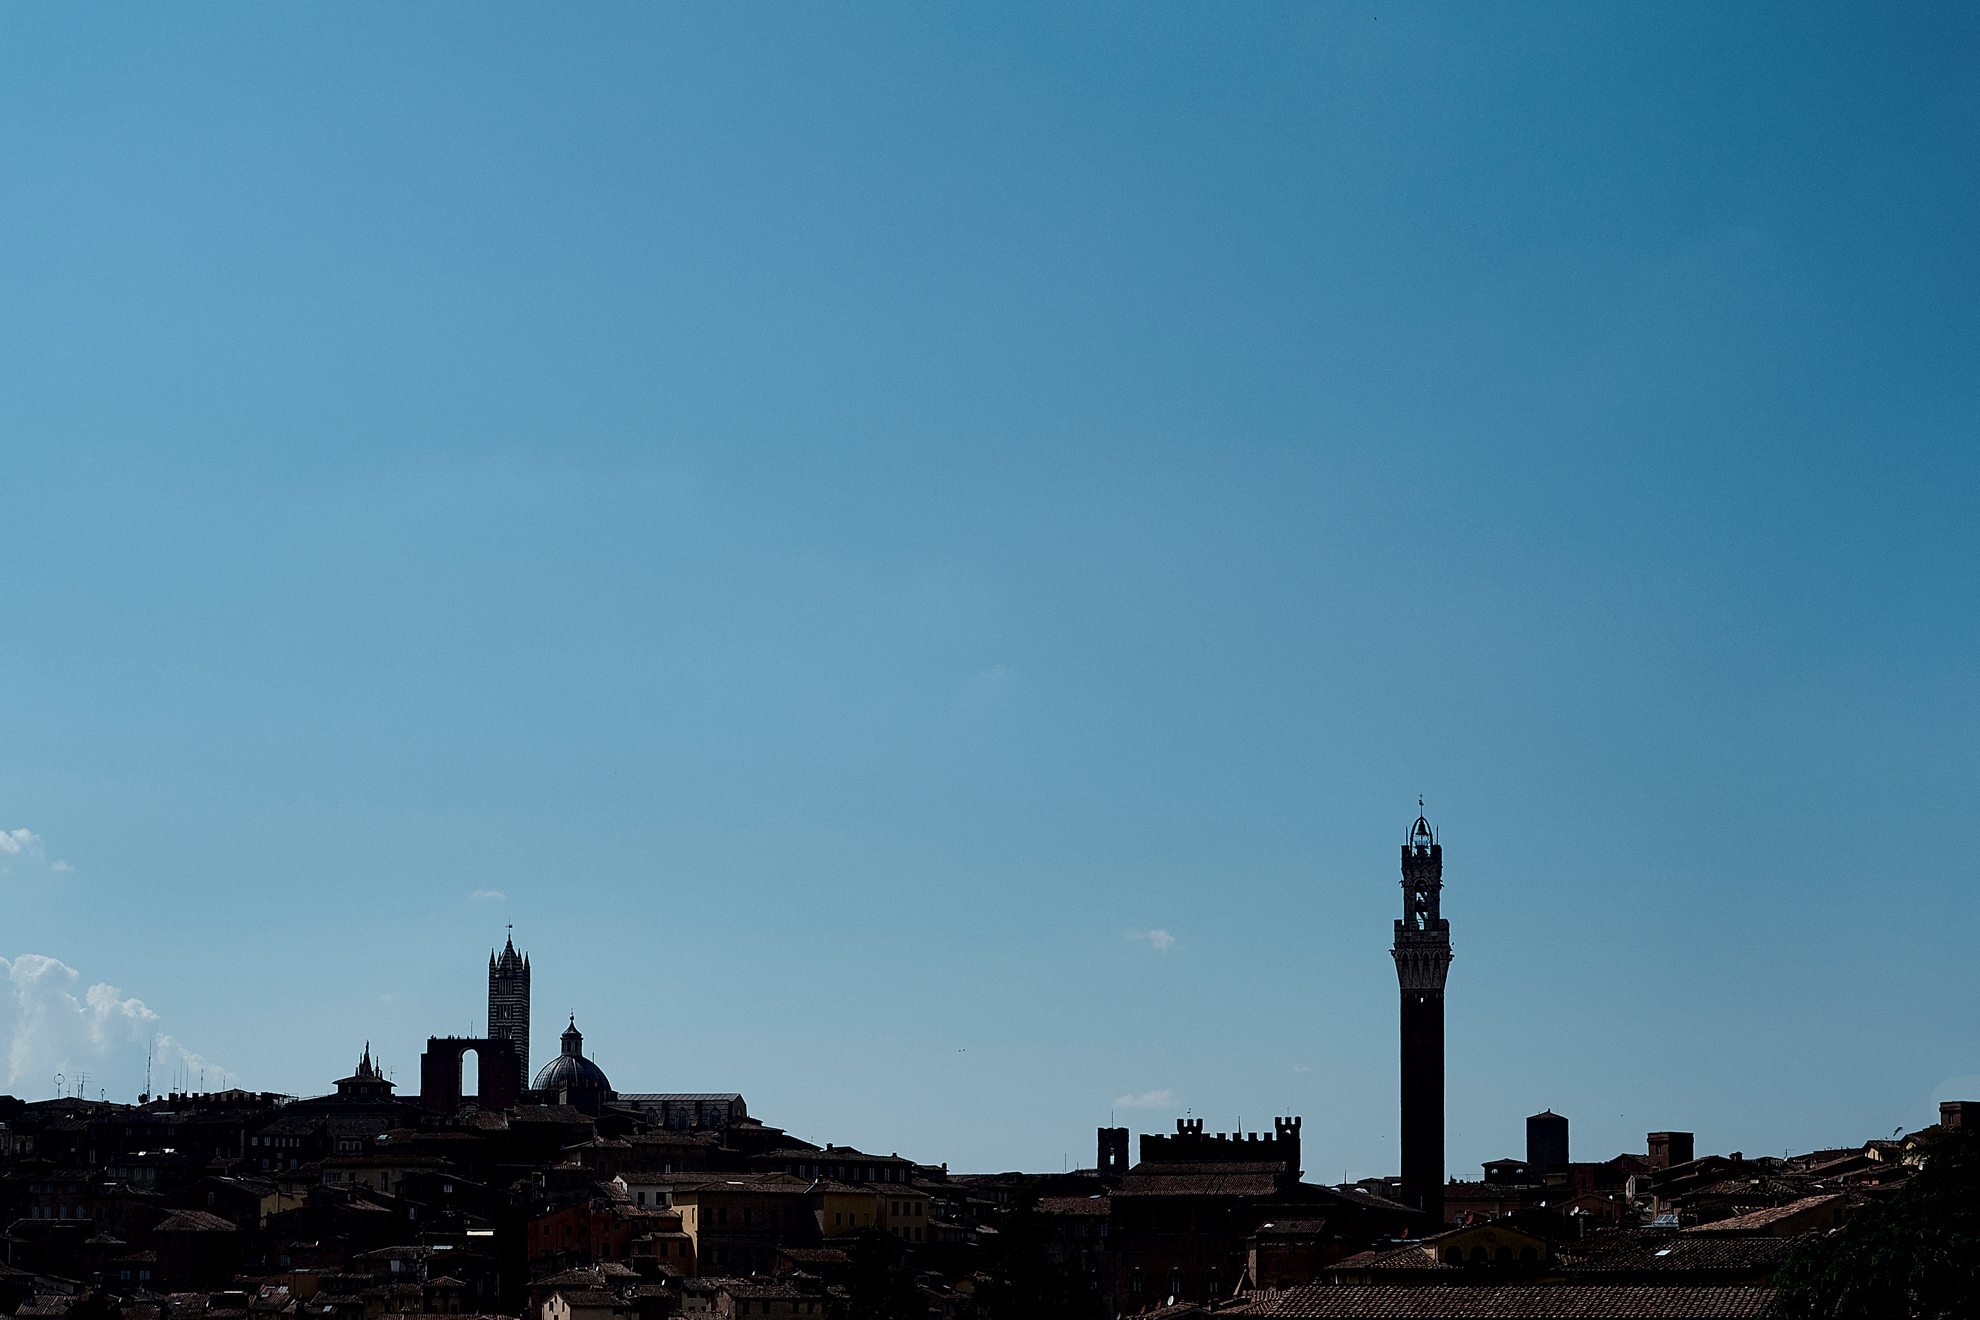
(923, 556)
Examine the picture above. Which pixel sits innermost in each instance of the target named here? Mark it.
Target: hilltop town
(553, 1195)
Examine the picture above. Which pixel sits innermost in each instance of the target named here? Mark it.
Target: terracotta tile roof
(195, 1221)
(1410, 1256)
(547, 1114)
(1510, 1302)
(1288, 1226)
(763, 1290)
(1073, 1205)
(744, 1182)
(1773, 1187)
(588, 1297)
(1759, 1221)
(1362, 1196)
(1660, 1253)
(634, 1097)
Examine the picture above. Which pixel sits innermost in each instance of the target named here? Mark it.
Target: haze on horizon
(924, 556)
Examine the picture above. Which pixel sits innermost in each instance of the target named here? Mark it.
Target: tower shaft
(508, 1004)
(1422, 953)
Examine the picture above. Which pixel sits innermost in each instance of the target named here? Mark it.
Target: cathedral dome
(570, 1069)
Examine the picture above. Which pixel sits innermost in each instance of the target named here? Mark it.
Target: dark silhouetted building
(1668, 1148)
(1423, 958)
(571, 1079)
(1546, 1143)
(495, 1072)
(1113, 1152)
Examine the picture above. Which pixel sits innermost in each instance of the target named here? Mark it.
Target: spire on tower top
(1421, 836)
(509, 959)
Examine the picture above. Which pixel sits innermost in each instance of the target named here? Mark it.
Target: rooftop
(1510, 1302)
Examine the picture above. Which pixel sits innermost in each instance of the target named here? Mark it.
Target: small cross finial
(1419, 804)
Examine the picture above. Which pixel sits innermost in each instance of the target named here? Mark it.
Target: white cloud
(1159, 940)
(18, 843)
(53, 1023)
(25, 846)
(487, 895)
(1161, 1099)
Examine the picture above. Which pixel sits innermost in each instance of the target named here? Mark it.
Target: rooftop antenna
(150, 1048)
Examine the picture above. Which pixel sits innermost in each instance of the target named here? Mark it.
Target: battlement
(1190, 1144)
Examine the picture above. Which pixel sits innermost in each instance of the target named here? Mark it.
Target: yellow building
(903, 1211)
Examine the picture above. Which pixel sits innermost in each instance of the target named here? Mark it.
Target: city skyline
(924, 561)
(1145, 1113)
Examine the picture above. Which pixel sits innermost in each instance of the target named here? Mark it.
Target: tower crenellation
(1189, 1143)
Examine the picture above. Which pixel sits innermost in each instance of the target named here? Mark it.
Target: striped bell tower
(508, 1001)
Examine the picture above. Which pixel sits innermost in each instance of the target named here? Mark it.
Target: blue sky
(840, 522)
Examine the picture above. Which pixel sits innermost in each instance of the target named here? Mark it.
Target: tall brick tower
(508, 1002)
(1423, 957)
